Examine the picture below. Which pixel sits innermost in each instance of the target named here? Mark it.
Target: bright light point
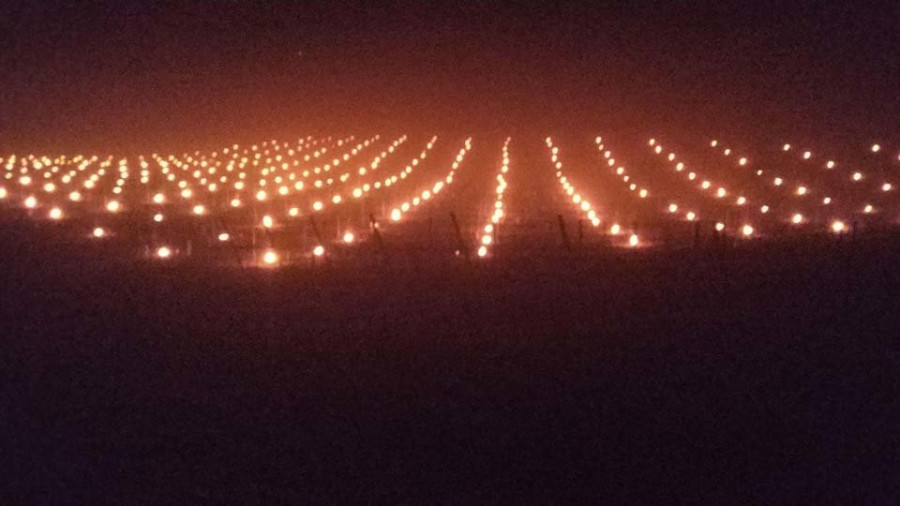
(778, 181)
(673, 208)
(395, 214)
(721, 192)
(807, 155)
(615, 229)
(868, 209)
(652, 142)
(267, 221)
(223, 237)
(261, 195)
(318, 205)
(486, 239)
(801, 190)
(270, 257)
(633, 240)
(797, 219)
(826, 200)
(349, 237)
(3, 193)
(235, 202)
(714, 143)
(113, 206)
(691, 216)
(199, 210)
(293, 212)
(786, 147)
(720, 226)
(830, 164)
(742, 161)
(158, 217)
(98, 232)
(857, 176)
(319, 250)
(159, 198)
(75, 196)
(741, 201)
(764, 209)
(643, 193)
(55, 213)
(747, 230)
(163, 252)
(886, 187)
(876, 148)
(837, 227)
(482, 251)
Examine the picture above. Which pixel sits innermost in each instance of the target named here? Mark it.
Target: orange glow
(270, 257)
(837, 227)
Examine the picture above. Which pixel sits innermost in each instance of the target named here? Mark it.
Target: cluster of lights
(717, 191)
(857, 177)
(799, 189)
(488, 231)
(802, 190)
(194, 179)
(582, 204)
(432, 190)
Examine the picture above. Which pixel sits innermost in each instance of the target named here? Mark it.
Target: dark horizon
(124, 76)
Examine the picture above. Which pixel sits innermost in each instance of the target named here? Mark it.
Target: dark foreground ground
(766, 375)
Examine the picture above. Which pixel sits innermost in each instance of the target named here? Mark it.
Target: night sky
(127, 75)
